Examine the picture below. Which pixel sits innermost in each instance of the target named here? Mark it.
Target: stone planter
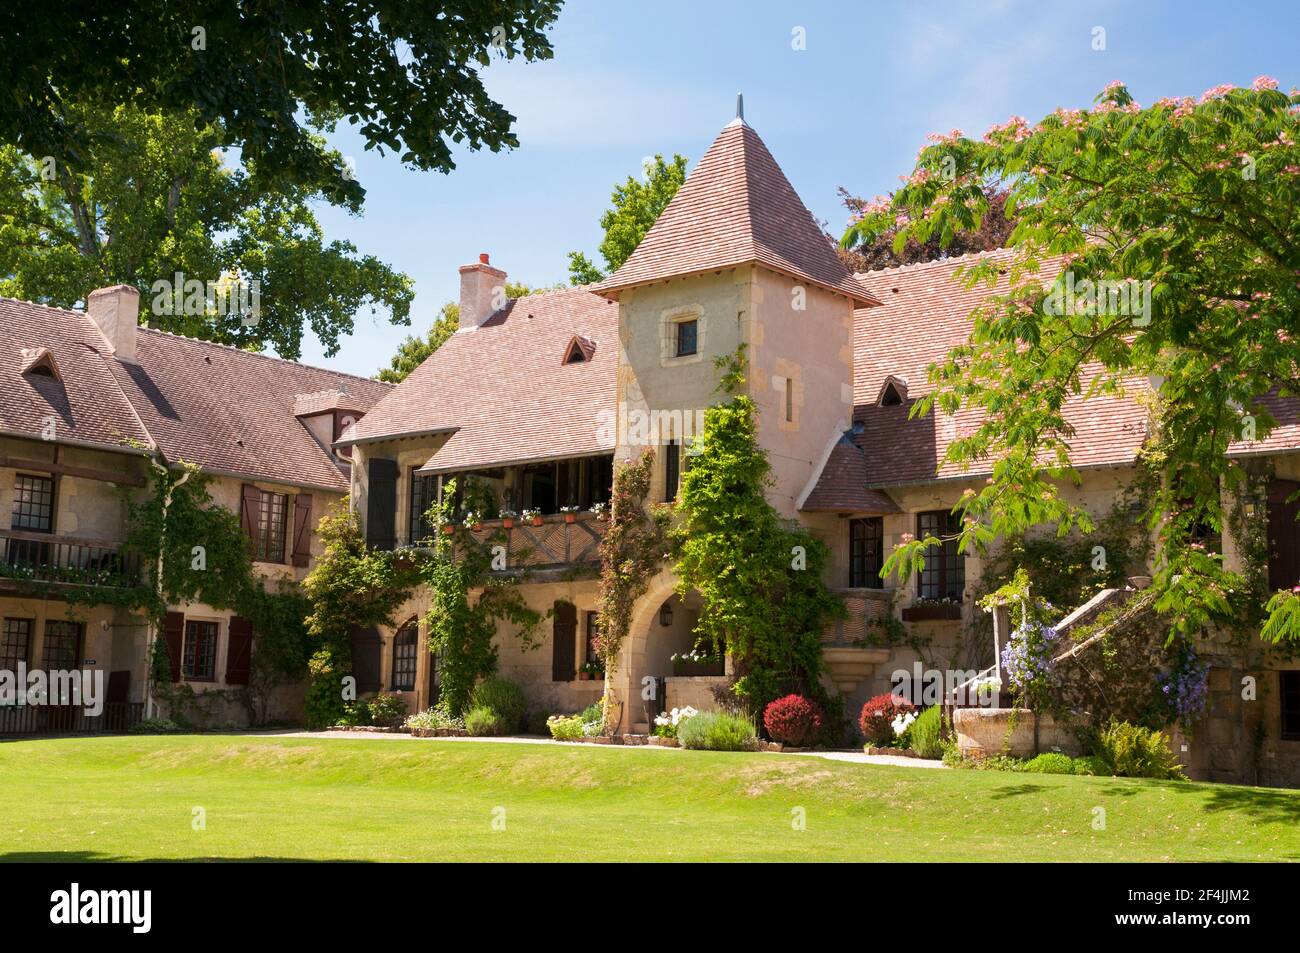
(932, 613)
(698, 669)
(660, 742)
(988, 731)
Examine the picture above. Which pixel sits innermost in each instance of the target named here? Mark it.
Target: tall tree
(878, 252)
(404, 72)
(160, 200)
(1188, 213)
(415, 350)
(636, 205)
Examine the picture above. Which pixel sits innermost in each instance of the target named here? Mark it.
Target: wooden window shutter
(250, 512)
(367, 646)
(302, 529)
(174, 636)
(239, 651)
(564, 633)
(381, 504)
(1283, 535)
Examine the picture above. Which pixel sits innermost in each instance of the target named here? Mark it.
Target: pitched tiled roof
(842, 485)
(736, 207)
(926, 313)
(85, 402)
(503, 391)
(232, 411)
(227, 410)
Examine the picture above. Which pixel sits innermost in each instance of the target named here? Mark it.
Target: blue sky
(632, 79)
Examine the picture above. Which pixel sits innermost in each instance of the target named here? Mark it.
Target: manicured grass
(329, 799)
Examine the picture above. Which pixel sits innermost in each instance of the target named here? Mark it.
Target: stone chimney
(117, 312)
(482, 291)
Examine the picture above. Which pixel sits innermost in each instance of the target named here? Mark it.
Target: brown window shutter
(174, 636)
(239, 651)
(1283, 535)
(564, 632)
(250, 512)
(381, 505)
(302, 529)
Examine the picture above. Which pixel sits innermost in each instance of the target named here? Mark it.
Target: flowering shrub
(666, 725)
(1027, 659)
(878, 714)
(387, 710)
(431, 718)
(1185, 689)
(793, 719)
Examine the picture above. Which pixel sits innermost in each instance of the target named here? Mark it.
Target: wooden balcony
(64, 560)
(558, 544)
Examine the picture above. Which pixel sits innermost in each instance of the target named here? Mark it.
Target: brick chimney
(117, 312)
(482, 291)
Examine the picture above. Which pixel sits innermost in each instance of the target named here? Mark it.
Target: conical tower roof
(736, 207)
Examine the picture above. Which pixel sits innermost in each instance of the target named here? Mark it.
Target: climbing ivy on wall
(351, 587)
(630, 553)
(760, 576)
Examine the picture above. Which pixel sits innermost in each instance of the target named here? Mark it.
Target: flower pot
(537, 521)
(927, 613)
(476, 527)
(507, 521)
(695, 669)
(570, 517)
(584, 676)
(448, 530)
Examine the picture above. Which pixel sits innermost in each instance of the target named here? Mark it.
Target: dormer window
(580, 350)
(893, 393)
(39, 362)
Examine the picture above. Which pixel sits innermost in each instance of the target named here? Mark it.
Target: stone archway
(647, 650)
(626, 680)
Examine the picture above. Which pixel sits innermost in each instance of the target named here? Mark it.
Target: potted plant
(570, 513)
(532, 516)
(696, 663)
(922, 610)
(599, 510)
(508, 518)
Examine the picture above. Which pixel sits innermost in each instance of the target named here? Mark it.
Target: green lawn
(330, 799)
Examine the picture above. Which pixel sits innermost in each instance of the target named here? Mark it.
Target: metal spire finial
(740, 106)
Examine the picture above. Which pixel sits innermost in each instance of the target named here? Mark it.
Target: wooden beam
(63, 469)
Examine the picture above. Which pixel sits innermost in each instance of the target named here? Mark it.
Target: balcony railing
(37, 557)
(68, 719)
(554, 544)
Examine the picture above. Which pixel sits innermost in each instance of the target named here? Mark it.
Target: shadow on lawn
(1262, 804)
(91, 856)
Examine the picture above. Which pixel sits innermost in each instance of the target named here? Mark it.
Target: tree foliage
(878, 251)
(405, 74)
(1189, 210)
(760, 577)
(637, 203)
(157, 199)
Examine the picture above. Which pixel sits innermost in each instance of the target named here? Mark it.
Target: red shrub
(794, 719)
(878, 714)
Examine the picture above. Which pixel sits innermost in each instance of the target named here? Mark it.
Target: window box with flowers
(927, 610)
(697, 663)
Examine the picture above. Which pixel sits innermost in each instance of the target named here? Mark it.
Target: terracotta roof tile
(736, 207)
(224, 409)
(842, 484)
(503, 391)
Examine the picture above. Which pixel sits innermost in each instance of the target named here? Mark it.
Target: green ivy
(760, 577)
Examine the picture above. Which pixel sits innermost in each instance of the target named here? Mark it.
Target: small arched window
(404, 656)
